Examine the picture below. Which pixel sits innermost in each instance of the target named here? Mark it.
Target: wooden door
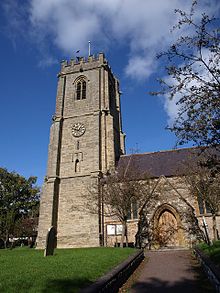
(167, 229)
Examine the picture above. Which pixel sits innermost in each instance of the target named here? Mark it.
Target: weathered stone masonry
(86, 140)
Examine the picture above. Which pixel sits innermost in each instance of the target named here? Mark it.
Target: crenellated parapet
(81, 64)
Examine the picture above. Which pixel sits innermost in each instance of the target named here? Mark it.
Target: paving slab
(170, 271)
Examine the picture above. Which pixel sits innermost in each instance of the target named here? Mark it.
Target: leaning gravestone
(50, 241)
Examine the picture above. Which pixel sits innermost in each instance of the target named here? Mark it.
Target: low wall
(113, 280)
(212, 272)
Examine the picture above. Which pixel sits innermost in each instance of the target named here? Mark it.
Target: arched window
(133, 211)
(78, 90)
(81, 90)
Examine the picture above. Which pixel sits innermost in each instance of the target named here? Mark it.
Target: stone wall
(74, 161)
(77, 227)
(173, 195)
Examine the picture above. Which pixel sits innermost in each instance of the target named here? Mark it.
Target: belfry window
(78, 90)
(81, 90)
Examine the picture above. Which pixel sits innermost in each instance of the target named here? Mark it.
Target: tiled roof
(168, 163)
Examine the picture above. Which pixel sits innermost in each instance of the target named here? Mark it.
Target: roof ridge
(161, 151)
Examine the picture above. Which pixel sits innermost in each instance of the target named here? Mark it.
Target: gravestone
(50, 242)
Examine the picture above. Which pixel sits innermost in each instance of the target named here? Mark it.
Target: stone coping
(211, 270)
(114, 279)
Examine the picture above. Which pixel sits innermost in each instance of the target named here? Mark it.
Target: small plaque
(110, 229)
(119, 229)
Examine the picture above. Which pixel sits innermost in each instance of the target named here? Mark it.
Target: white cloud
(171, 109)
(171, 106)
(143, 25)
(47, 61)
(140, 67)
(16, 16)
(70, 24)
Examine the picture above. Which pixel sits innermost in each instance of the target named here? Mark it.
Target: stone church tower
(86, 140)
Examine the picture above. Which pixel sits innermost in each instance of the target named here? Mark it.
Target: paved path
(169, 271)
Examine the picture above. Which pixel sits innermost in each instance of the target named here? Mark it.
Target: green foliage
(212, 251)
(26, 270)
(18, 196)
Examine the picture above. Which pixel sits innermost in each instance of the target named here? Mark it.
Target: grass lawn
(212, 251)
(26, 270)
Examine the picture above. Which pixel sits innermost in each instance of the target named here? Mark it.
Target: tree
(26, 225)
(118, 191)
(18, 196)
(193, 67)
(205, 186)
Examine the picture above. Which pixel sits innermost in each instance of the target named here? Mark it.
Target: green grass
(26, 270)
(213, 251)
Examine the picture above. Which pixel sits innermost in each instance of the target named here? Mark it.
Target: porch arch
(167, 226)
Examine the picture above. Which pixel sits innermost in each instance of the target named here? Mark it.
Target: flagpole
(89, 48)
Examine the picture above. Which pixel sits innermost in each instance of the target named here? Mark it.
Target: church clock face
(78, 129)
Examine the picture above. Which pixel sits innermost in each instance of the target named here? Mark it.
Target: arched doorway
(168, 230)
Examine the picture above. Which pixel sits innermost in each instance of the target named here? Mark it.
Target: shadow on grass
(65, 285)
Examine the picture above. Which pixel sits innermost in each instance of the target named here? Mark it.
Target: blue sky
(36, 35)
